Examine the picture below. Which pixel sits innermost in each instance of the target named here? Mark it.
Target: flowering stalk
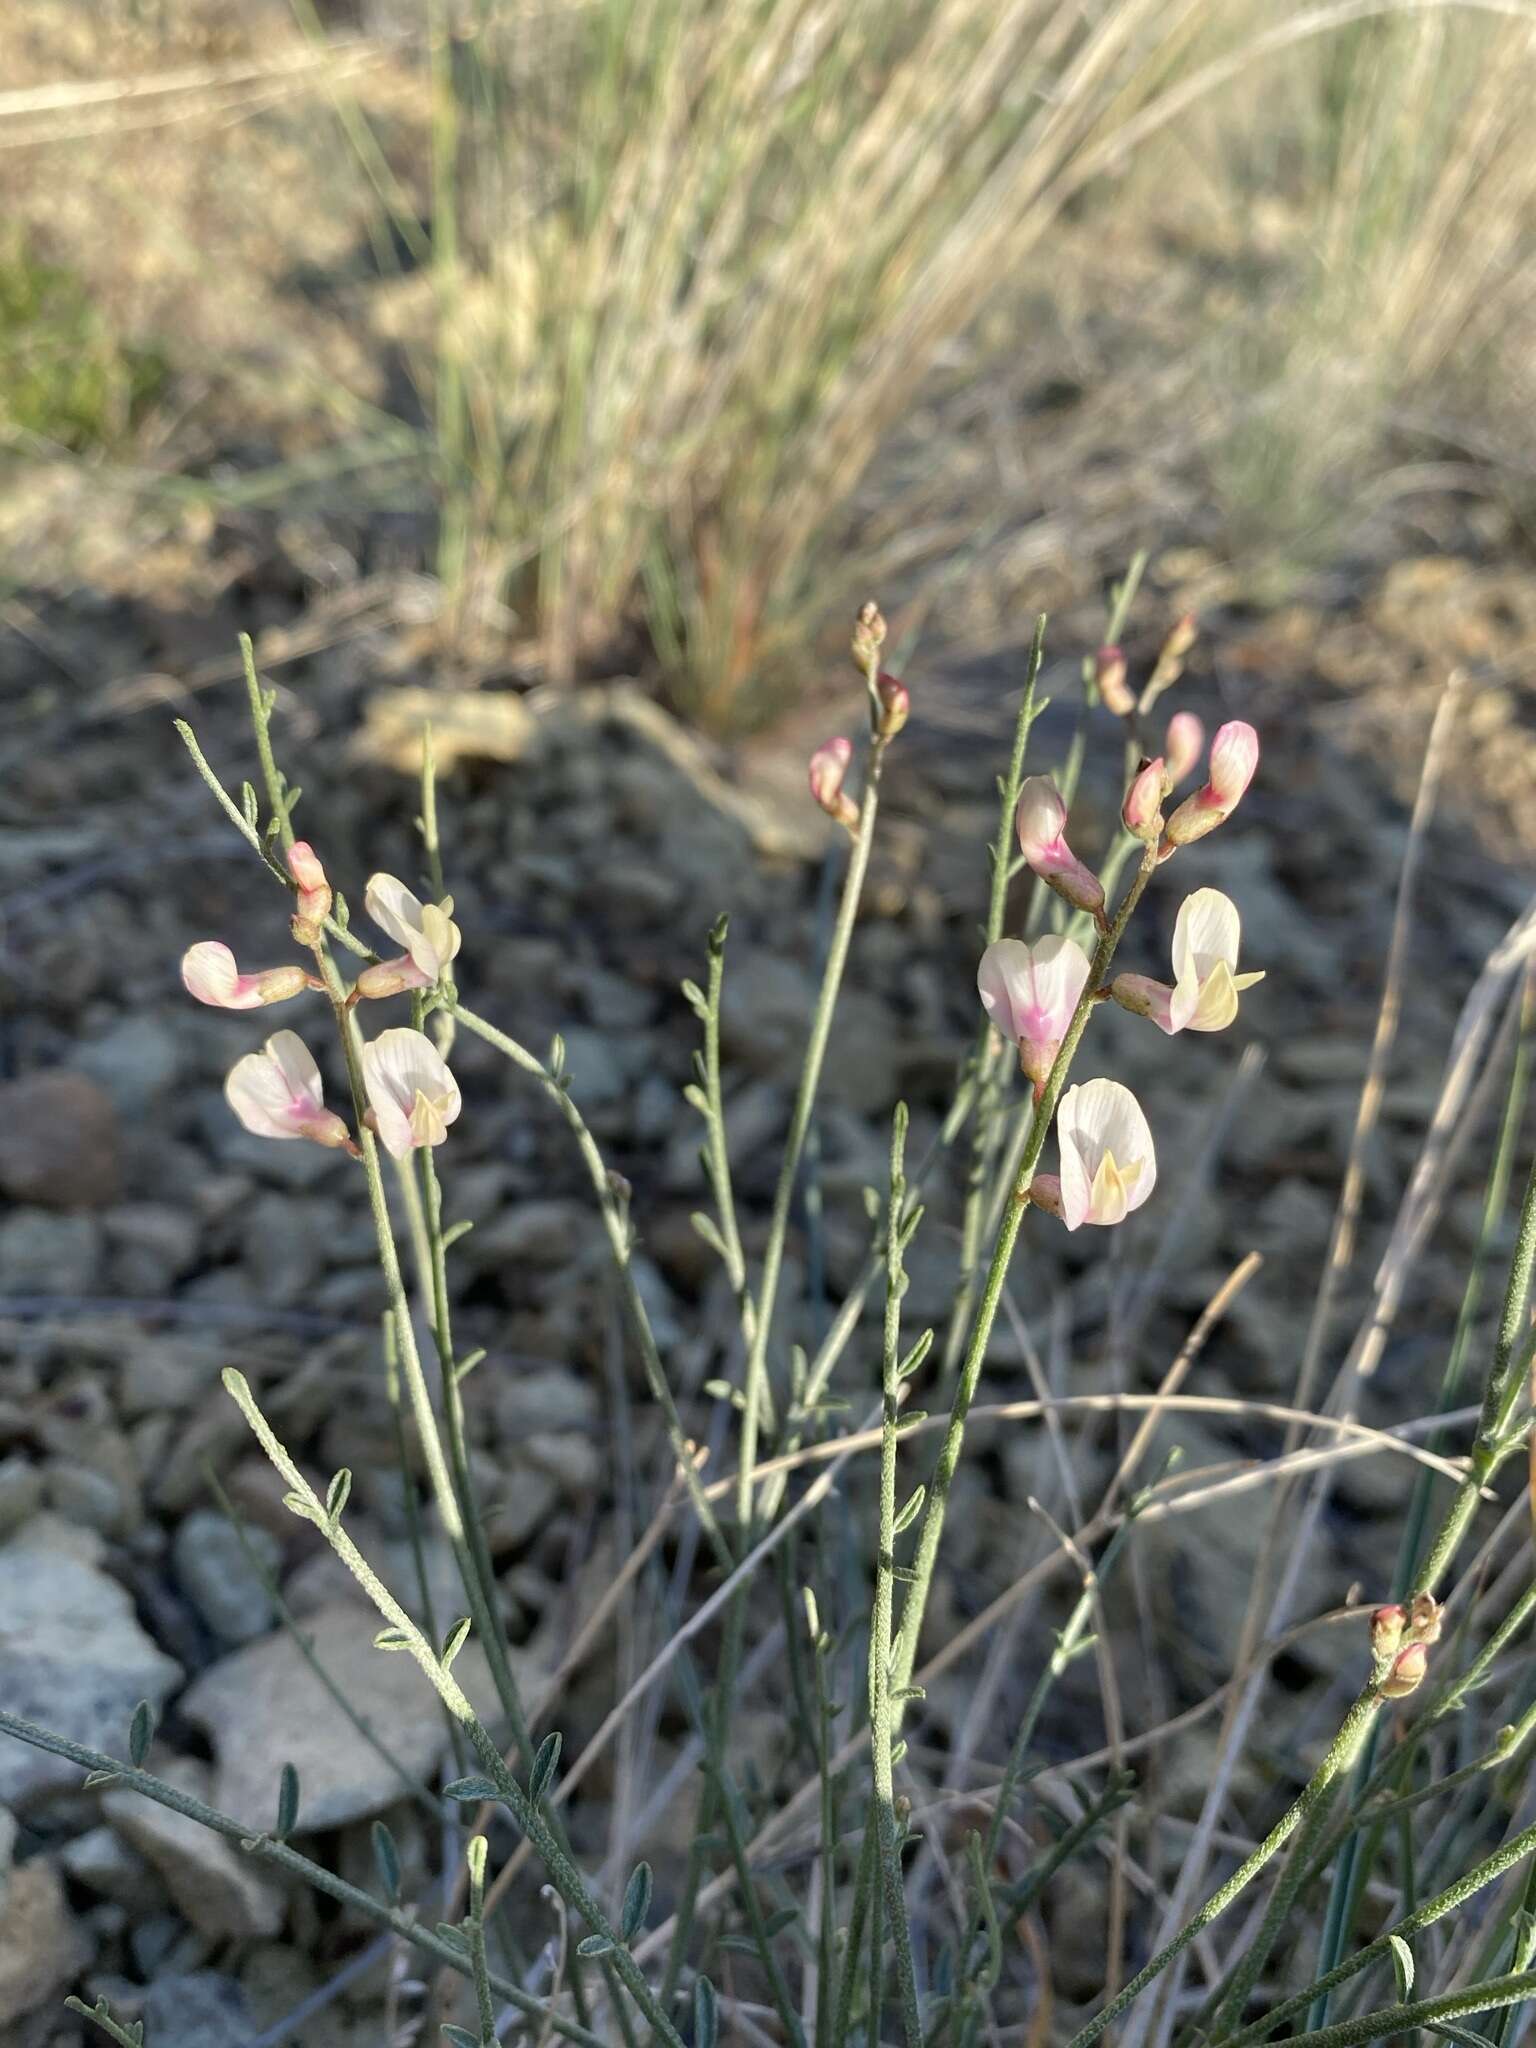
(882, 1719)
(997, 1274)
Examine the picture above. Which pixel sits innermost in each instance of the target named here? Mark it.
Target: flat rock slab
(263, 1707)
(41, 1945)
(216, 1887)
(72, 1658)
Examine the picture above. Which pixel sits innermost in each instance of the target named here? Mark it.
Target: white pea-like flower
(426, 930)
(209, 972)
(276, 1094)
(413, 1096)
(1108, 1165)
(1030, 993)
(1206, 984)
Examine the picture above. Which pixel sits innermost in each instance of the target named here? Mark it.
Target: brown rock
(58, 1141)
(41, 1946)
(220, 1891)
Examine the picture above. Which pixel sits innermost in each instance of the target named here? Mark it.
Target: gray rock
(41, 1944)
(263, 1707)
(136, 1062)
(21, 1492)
(216, 1575)
(544, 1233)
(44, 1253)
(596, 1064)
(286, 1239)
(59, 1142)
(199, 2010)
(221, 1892)
(151, 1245)
(82, 1495)
(7, 1850)
(72, 1658)
(102, 1862)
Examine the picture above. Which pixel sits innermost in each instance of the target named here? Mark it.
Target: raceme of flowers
(1033, 993)
(412, 1097)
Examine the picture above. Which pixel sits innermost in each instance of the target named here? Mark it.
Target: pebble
(135, 1062)
(217, 1889)
(72, 1657)
(219, 1579)
(102, 1862)
(41, 1943)
(286, 1238)
(151, 1245)
(199, 2010)
(42, 1252)
(59, 1141)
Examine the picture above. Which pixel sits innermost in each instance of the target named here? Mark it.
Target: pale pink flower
(390, 978)
(828, 770)
(1030, 993)
(1182, 744)
(1041, 823)
(314, 900)
(413, 1096)
(1234, 757)
(1109, 673)
(1108, 1167)
(1206, 984)
(276, 1094)
(1142, 811)
(208, 971)
(426, 930)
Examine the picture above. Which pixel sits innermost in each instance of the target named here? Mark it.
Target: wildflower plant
(801, 1923)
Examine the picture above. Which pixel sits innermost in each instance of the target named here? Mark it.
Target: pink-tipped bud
(829, 767)
(1144, 997)
(389, 978)
(894, 703)
(1234, 757)
(1109, 674)
(314, 902)
(1142, 811)
(1041, 823)
(1182, 745)
(868, 637)
(209, 972)
(1407, 1672)
(1387, 1624)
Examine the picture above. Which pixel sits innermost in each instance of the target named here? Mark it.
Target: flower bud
(1142, 811)
(209, 972)
(389, 978)
(1170, 660)
(1045, 1193)
(1040, 821)
(1234, 757)
(314, 903)
(1109, 674)
(894, 703)
(1181, 746)
(1386, 1632)
(829, 766)
(868, 637)
(1424, 1618)
(1144, 997)
(1407, 1672)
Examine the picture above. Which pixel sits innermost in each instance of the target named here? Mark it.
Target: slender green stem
(1339, 1753)
(475, 1929)
(405, 1635)
(1402, 2019)
(1234, 1995)
(826, 1928)
(755, 1397)
(865, 1888)
(882, 1724)
(267, 1849)
(992, 1293)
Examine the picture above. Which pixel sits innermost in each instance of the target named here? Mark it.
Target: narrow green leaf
(95, 1778)
(546, 1759)
(785, 1917)
(471, 1791)
(696, 1000)
(555, 1060)
(306, 1510)
(457, 1230)
(392, 1639)
(453, 1642)
(467, 1364)
(637, 1901)
(475, 1853)
(915, 1356)
(910, 1420)
(454, 1936)
(140, 1730)
(910, 1512)
(695, 1098)
(461, 2037)
(1402, 1967)
(706, 2014)
(287, 1802)
(249, 805)
(336, 1496)
(386, 1859)
(594, 1945)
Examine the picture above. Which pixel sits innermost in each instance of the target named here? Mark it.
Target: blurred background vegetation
(656, 331)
